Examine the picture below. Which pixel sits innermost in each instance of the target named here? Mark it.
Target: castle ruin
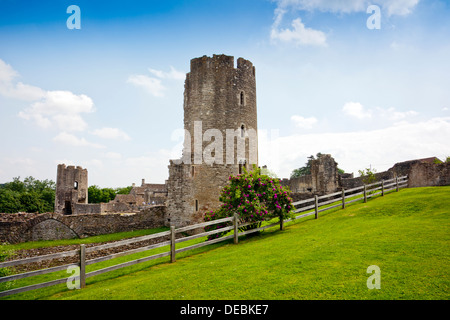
(71, 188)
(220, 122)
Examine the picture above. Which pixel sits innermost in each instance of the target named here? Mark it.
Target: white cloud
(7, 73)
(173, 74)
(357, 150)
(113, 155)
(392, 7)
(399, 7)
(111, 133)
(298, 35)
(69, 122)
(74, 141)
(20, 161)
(393, 115)
(355, 109)
(60, 109)
(63, 102)
(9, 88)
(21, 91)
(151, 85)
(302, 122)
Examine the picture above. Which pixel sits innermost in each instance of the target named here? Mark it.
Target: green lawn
(406, 234)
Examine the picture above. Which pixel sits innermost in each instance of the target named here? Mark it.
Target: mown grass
(405, 234)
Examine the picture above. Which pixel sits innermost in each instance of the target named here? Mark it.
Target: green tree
(94, 194)
(368, 175)
(31, 202)
(9, 201)
(125, 190)
(15, 185)
(98, 195)
(254, 197)
(29, 195)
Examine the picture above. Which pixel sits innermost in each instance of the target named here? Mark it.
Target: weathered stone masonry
(218, 98)
(21, 227)
(71, 188)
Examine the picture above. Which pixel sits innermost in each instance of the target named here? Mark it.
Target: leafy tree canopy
(98, 195)
(29, 195)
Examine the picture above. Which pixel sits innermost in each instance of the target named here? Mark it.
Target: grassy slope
(405, 234)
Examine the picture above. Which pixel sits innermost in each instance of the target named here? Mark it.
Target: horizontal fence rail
(333, 200)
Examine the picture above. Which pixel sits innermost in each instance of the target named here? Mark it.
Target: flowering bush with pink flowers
(255, 198)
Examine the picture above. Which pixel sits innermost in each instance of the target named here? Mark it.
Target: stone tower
(220, 125)
(324, 173)
(71, 188)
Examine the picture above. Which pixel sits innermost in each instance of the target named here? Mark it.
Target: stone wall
(71, 188)
(429, 174)
(219, 117)
(420, 172)
(22, 227)
(299, 184)
(324, 177)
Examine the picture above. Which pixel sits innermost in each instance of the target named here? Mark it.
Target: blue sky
(109, 96)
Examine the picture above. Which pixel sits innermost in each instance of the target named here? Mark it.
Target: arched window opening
(242, 165)
(242, 131)
(75, 185)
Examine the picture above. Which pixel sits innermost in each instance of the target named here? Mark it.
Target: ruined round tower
(220, 122)
(71, 188)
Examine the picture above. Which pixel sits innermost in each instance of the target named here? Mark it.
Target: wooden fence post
(236, 230)
(396, 182)
(343, 198)
(281, 223)
(316, 205)
(365, 194)
(82, 266)
(382, 188)
(172, 244)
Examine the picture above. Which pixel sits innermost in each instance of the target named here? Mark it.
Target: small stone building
(71, 188)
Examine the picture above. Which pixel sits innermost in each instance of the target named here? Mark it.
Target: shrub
(254, 197)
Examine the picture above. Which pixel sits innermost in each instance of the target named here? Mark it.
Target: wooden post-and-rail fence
(337, 199)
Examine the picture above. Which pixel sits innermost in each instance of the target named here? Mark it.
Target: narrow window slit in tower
(242, 98)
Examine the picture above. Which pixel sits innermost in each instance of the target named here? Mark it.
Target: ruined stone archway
(51, 229)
